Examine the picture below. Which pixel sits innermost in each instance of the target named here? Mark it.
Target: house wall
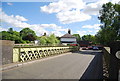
(68, 39)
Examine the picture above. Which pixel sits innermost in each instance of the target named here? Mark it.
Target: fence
(22, 54)
(26, 52)
(38, 45)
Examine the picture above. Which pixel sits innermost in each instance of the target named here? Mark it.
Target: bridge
(84, 64)
(62, 62)
(23, 54)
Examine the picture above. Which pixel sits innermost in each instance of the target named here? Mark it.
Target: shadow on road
(95, 68)
(88, 52)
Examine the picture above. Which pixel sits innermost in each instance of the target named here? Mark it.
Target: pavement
(18, 64)
(78, 65)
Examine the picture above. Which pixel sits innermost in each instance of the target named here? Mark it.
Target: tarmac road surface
(80, 65)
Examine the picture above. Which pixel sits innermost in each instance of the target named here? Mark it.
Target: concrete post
(7, 51)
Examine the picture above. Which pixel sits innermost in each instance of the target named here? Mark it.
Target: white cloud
(69, 11)
(115, 1)
(81, 33)
(86, 32)
(14, 20)
(67, 17)
(88, 1)
(18, 21)
(96, 31)
(95, 26)
(89, 29)
(94, 7)
(63, 5)
(9, 3)
(57, 33)
(3, 29)
(41, 28)
(20, 18)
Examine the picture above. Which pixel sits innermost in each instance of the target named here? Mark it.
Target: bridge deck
(85, 65)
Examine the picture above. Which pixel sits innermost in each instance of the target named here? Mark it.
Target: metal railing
(27, 53)
(22, 45)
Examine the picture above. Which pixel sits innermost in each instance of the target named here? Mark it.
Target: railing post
(7, 51)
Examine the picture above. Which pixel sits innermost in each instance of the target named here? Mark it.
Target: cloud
(89, 29)
(19, 21)
(86, 32)
(67, 11)
(95, 26)
(41, 28)
(88, 1)
(81, 33)
(16, 21)
(94, 7)
(115, 1)
(62, 5)
(9, 3)
(70, 11)
(20, 18)
(3, 29)
(67, 17)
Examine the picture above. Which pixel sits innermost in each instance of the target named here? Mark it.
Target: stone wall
(6, 51)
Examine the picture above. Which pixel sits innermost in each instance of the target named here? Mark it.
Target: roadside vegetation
(110, 28)
(26, 35)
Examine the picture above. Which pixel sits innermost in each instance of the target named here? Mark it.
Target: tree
(10, 30)
(89, 38)
(77, 37)
(43, 40)
(110, 18)
(5, 35)
(28, 34)
(52, 40)
(11, 35)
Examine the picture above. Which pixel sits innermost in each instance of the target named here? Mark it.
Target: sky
(80, 16)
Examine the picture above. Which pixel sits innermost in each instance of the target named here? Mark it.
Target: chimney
(69, 31)
(44, 34)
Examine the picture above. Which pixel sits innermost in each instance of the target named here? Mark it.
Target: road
(80, 65)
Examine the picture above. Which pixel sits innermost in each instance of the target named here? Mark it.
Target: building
(68, 38)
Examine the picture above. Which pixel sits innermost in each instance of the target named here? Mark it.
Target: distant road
(86, 65)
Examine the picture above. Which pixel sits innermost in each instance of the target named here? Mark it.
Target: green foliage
(28, 34)
(90, 38)
(11, 35)
(110, 18)
(52, 40)
(43, 40)
(77, 37)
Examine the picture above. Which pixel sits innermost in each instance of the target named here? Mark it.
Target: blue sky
(81, 16)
